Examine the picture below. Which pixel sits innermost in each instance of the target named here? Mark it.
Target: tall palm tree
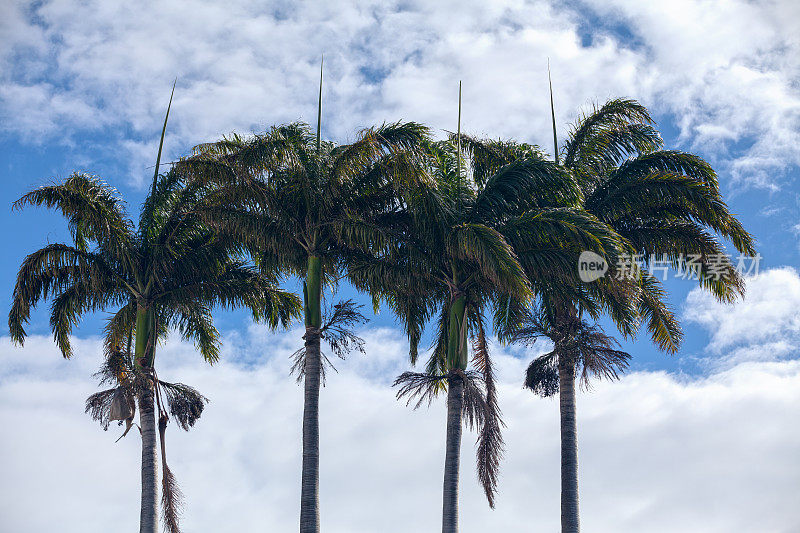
(452, 255)
(170, 271)
(299, 205)
(668, 208)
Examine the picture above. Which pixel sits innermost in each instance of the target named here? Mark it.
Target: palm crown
(292, 196)
(170, 271)
(666, 204)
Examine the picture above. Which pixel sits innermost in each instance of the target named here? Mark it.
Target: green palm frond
(662, 323)
(608, 147)
(563, 229)
(195, 324)
(93, 209)
(374, 144)
(524, 184)
(667, 161)
(611, 115)
(51, 270)
(487, 157)
(492, 255)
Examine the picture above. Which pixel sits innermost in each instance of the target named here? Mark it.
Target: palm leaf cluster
(583, 346)
(666, 204)
(337, 330)
(288, 197)
(172, 264)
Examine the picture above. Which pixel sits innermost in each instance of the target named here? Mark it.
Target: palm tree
(667, 207)
(580, 351)
(452, 254)
(299, 205)
(167, 273)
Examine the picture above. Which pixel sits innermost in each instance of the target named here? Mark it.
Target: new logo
(591, 266)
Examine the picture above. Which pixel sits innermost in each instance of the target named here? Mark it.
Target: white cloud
(725, 70)
(764, 326)
(658, 454)
(728, 70)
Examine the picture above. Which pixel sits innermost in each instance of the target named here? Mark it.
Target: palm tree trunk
(455, 400)
(570, 522)
(309, 495)
(148, 521)
(145, 351)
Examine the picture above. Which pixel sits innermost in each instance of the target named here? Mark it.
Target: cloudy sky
(704, 441)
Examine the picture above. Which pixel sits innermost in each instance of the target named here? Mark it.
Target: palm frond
(98, 406)
(54, 269)
(171, 496)
(490, 439)
(524, 184)
(184, 403)
(93, 209)
(613, 114)
(418, 387)
(493, 256)
(542, 375)
(298, 368)
(337, 330)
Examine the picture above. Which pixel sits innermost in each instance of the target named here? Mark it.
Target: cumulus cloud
(764, 326)
(658, 453)
(724, 71)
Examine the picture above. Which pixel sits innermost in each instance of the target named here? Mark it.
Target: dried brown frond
(490, 439)
(171, 496)
(299, 365)
(542, 375)
(184, 403)
(98, 405)
(474, 409)
(419, 387)
(337, 330)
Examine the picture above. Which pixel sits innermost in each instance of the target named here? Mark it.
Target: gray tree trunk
(148, 522)
(309, 497)
(455, 401)
(570, 522)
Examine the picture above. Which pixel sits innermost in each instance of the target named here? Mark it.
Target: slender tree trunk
(148, 521)
(145, 351)
(456, 359)
(455, 401)
(570, 522)
(309, 496)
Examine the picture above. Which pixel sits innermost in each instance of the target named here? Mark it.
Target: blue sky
(83, 87)
(101, 121)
